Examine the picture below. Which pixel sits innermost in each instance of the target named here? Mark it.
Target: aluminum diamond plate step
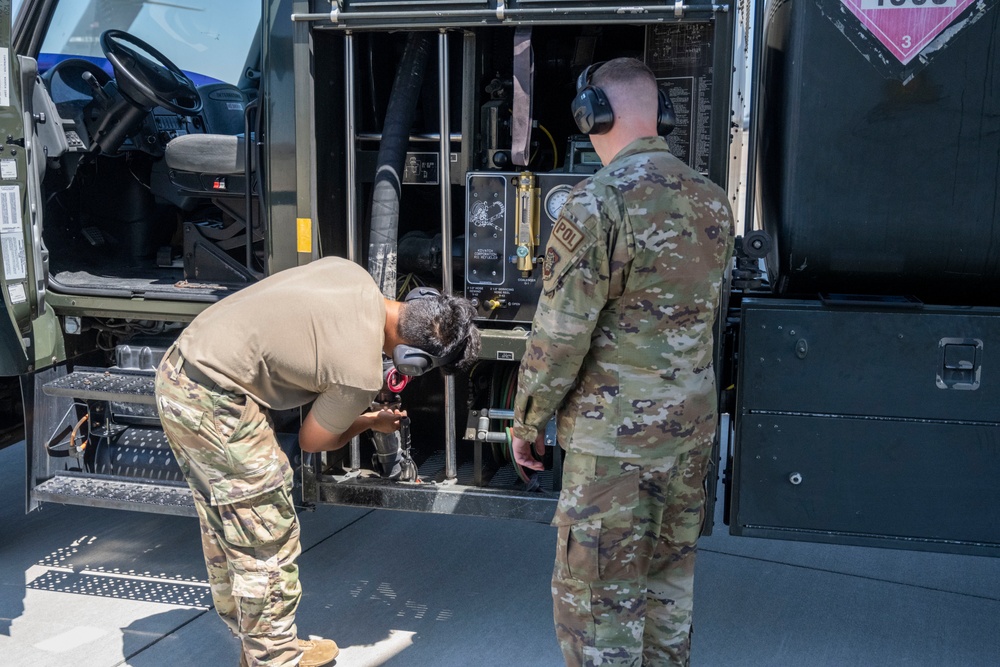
(104, 385)
(162, 498)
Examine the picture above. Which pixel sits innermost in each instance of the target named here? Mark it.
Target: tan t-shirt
(310, 332)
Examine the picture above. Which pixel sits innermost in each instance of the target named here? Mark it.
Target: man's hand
(387, 421)
(315, 438)
(522, 451)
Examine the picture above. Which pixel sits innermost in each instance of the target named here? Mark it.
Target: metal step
(136, 452)
(96, 491)
(104, 385)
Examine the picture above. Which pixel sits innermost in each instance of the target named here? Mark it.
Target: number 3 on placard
(906, 41)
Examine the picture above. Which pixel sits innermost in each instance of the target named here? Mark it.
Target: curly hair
(441, 325)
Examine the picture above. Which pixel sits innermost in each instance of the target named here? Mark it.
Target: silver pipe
(503, 14)
(465, 157)
(351, 193)
(422, 138)
(444, 147)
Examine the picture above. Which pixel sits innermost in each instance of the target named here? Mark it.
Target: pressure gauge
(555, 199)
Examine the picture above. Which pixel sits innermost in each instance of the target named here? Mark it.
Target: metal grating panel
(116, 494)
(105, 386)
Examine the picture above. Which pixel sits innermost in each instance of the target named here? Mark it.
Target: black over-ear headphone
(592, 110)
(413, 361)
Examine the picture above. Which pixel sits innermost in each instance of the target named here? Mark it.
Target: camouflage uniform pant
(251, 543)
(623, 581)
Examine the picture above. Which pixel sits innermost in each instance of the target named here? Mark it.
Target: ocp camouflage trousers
(251, 543)
(623, 581)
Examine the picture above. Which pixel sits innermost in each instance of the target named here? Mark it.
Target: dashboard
(84, 95)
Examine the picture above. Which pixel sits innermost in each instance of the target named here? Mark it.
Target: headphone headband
(413, 361)
(421, 293)
(587, 74)
(592, 110)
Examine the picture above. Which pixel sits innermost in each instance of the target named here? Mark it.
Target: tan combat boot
(317, 652)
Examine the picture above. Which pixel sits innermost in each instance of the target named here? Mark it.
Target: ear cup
(592, 111)
(412, 361)
(666, 119)
(590, 108)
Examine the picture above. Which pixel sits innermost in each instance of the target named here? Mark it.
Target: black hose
(384, 228)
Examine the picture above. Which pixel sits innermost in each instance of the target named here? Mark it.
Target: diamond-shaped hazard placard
(905, 27)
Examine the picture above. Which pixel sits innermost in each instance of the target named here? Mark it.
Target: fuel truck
(158, 157)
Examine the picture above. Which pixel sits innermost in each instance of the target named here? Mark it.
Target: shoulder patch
(568, 235)
(551, 262)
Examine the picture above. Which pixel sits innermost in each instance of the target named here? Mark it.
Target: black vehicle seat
(213, 166)
(197, 162)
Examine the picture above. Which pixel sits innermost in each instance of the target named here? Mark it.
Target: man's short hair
(626, 72)
(440, 325)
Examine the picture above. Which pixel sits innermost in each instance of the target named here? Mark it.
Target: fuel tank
(877, 167)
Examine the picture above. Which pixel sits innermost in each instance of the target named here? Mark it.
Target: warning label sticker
(15, 259)
(17, 293)
(905, 27)
(901, 37)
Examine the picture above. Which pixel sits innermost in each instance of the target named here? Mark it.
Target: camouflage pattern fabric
(621, 342)
(623, 581)
(621, 351)
(250, 535)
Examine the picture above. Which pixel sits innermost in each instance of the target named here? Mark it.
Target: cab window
(208, 39)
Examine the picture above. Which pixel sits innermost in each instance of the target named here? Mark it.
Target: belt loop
(174, 356)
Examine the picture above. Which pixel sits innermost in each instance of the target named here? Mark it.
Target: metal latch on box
(961, 363)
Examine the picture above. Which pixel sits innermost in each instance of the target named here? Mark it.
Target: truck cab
(160, 157)
(172, 155)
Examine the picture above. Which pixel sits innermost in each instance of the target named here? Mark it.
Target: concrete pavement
(101, 588)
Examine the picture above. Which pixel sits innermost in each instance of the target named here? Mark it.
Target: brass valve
(528, 196)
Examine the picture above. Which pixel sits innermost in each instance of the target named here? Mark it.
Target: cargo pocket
(175, 412)
(263, 520)
(254, 590)
(595, 518)
(255, 463)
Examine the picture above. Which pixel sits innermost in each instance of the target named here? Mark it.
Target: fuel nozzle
(526, 222)
(392, 450)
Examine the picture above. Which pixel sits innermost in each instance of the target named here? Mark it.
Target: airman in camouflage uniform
(621, 351)
(251, 570)
(311, 334)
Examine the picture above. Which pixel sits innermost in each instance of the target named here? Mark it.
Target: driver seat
(208, 164)
(217, 166)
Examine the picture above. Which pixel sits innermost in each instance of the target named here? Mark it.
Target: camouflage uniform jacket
(622, 340)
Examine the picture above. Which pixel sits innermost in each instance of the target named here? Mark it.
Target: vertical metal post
(305, 134)
(351, 189)
(465, 156)
(350, 111)
(450, 466)
(445, 150)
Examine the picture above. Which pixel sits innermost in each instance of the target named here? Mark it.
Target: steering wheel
(146, 78)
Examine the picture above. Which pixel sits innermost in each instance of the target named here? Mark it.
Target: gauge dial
(555, 199)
